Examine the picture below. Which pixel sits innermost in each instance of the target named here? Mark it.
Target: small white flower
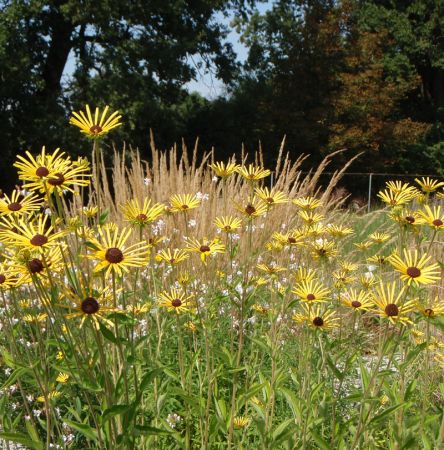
(192, 223)
(147, 181)
(214, 179)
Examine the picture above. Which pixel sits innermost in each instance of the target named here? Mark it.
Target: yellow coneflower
(342, 278)
(288, 239)
(8, 276)
(190, 326)
(253, 173)
(271, 269)
(35, 318)
(184, 278)
(414, 270)
(432, 217)
(36, 170)
(270, 197)
(338, 230)
(154, 241)
(379, 259)
(395, 198)
(91, 308)
(205, 248)
(431, 308)
(36, 234)
(428, 184)
(317, 318)
(240, 422)
(228, 224)
(364, 245)
(313, 230)
(379, 238)
(399, 186)
(323, 249)
(348, 266)
(367, 280)
(311, 291)
(304, 274)
(310, 217)
(97, 126)
(357, 300)
(252, 210)
(89, 211)
(307, 202)
(17, 206)
(141, 215)
(51, 396)
(261, 309)
(176, 300)
(224, 170)
(114, 255)
(389, 305)
(172, 257)
(139, 308)
(62, 377)
(405, 217)
(183, 202)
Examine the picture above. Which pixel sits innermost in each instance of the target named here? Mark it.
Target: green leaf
(149, 377)
(115, 410)
(145, 430)
(282, 430)
(320, 441)
(103, 216)
(21, 438)
(88, 431)
(108, 334)
(386, 413)
(14, 375)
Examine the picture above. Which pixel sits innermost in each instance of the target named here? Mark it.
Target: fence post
(369, 192)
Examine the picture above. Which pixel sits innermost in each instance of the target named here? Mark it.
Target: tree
(135, 55)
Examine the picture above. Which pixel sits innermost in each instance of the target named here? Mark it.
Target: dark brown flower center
(35, 265)
(318, 321)
(429, 312)
(114, 255)
(322, 251)
(42, 172)
(142, 217)
(250, 210)
(392, 310)
(176, 302)
(410, 219)
(2, 278)
(204, 248)
(355, 304)
(437, 223)
(90, 305)
(270, 200)
(292, 240)
(227, 228)
(96, 129)
(311, 297)
(184, 207)
(57, 180)
(15, 206)
(38, 240)
(413, 272)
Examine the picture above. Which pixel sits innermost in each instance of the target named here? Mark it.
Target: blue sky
(205, 84)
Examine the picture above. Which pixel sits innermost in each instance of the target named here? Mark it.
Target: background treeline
(361, 75)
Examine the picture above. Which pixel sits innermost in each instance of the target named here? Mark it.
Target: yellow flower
(323, 249)
(141, 214)
(390, 305)
(172, 257)
(34, 234)
(428, 184)
(348, 266)
(304, 274)
(51, 396)
(342, 278)
(36, 318)
(432, 217)
(338, 230)
(89, 211)
(431, 308)
(311, 291)
(378, 259)
(59, 355)
(184, 278)
(271, 269)
(183, 202)
(261, 309)
(97, 126)
(224, 170)
(316, 318)
(253, 173)
(270, 197)
(228, 224)
(379, 238)
(307, 202)
(405, 217)
(8, 276)
(241, 422)
(291, 239)
(252, 210)
(365, 245)
(399, 186)
(73, 173)
(190, 326)
(310, 217)
(17, 206)
(205, 248)
(112, 253)
(62, 377)
(413, 270)
(395, 198)
(176, 301)
(357, 300)
(367, 280)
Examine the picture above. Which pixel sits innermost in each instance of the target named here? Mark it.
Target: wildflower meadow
(203, 304)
